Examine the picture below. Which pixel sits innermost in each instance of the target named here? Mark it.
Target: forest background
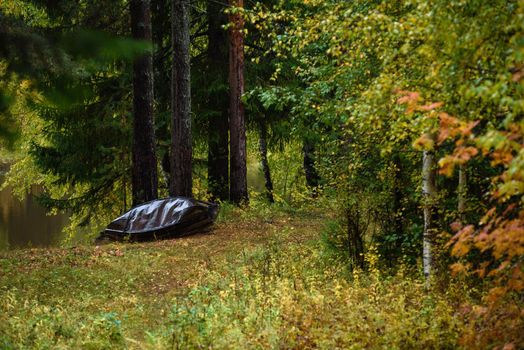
(403, 119)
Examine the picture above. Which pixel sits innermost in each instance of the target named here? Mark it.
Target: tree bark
(144, 169)
(462, 193)
(262, 146)
(397, 203)
(238, 166)
(354, 236)
(218, 103)
(312, 177)
(429, 197)
(181, 183)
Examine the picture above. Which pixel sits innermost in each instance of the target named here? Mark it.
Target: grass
(256, 281)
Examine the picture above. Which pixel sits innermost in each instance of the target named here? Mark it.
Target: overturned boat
(161, 219)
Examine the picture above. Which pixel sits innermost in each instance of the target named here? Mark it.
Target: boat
(161, 219)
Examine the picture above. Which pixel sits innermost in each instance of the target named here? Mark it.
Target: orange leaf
(466, 129)
(460, 249)
(458, 268)
(408, 97)
(424, 142)
(456, 226)
(466, 153)
(495, 294)
(431, 106)
(447, 121)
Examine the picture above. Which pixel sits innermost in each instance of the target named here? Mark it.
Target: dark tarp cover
(162, 218)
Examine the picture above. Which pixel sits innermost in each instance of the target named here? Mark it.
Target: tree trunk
(397, 203)
(238, 166)
(262, 129)
(354, 236)
(429, 197)
(462, 193)
(144, 172)
(312, 177)
(218, 103)
(181, 183)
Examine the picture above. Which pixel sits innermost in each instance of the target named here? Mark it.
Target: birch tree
(429, 196)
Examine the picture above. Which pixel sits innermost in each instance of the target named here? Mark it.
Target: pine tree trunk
(237, 125)
(312, 177)
(144, 171)
(218, 103)
(462, 193)
(429, 195)
(262, 129)
(181, 183)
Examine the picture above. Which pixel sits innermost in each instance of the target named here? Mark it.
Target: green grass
(258, 280)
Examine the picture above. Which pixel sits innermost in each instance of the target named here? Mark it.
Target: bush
(288, 297)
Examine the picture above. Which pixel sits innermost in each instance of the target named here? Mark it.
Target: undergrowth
(260, 281)
(285, 297)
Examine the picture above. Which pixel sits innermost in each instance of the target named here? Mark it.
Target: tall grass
(271, 285)
(285, 297)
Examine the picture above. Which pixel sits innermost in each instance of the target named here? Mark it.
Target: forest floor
(257, 280)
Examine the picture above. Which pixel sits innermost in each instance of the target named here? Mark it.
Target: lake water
(25, 223)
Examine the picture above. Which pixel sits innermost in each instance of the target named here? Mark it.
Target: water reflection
(25, 223)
